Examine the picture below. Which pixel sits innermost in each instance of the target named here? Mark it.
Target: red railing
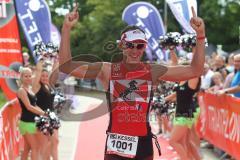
(9, 132)
(219, 122)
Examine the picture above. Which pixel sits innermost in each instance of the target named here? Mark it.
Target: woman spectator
(45, 97)
(180, 135)
(27, 126)
(217, 83)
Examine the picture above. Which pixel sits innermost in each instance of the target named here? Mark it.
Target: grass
(3, 100)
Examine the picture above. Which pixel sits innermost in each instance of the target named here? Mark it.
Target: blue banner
(147, 17)
(35, 20)
(182, 12)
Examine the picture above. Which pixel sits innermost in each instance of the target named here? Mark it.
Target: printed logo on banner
(35, 19)
(10, 49)
(182, 12)
(147, 17)
(7, 12)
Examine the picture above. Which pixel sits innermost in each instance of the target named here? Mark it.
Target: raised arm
(195, 69)
(55, 72)
(172, 97)
(80, 68)
(37, 75)
(173, 57)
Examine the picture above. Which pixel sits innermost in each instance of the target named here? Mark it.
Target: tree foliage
(100, 22)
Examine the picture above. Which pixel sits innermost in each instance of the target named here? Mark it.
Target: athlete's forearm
(65, 51)
(199, 57)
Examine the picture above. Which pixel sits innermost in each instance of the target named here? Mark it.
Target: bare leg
(54, 145)
(32, 141)
(44, 146)
(177, 134)
(24, 155)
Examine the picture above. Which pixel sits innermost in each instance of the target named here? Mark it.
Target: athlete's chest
(128, 85)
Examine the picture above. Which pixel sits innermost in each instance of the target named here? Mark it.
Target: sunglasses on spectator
(135, 45)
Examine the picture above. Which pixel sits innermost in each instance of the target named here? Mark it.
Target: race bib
(122, 145)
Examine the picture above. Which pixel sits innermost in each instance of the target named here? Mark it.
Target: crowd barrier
(219, 122)
(9, 133)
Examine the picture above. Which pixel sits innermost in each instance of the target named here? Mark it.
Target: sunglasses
(134, 45)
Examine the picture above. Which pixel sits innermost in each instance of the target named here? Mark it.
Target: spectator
(230, 63)
(230, 76)
(206, 77)
(217, 81)
(219, 66)
(27, 126)
(234, 87)
(26, 57)
(45, 97)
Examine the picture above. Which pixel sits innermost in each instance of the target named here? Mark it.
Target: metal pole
(165, 15)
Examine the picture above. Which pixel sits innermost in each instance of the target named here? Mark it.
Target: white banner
(182, 12)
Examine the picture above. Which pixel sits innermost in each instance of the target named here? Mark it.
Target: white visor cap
(134, 36)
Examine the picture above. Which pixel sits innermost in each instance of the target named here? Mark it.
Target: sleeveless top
(45, 98)
(185, 99)
(28, 116)
(129, 96)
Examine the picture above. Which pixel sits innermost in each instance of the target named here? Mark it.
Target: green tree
(222, 22)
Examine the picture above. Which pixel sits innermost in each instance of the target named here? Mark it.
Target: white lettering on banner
(221, 123)
(34, 35)
(9, 74)
(148, 33)
(235, 133)
(37, 39)
(8, 40)
(140, 22)
(27, 15)
(32, 28)
(10, 50)
(154, 45)
(16, 132)
(3, 10)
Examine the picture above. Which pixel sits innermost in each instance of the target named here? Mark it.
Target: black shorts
(144, 151)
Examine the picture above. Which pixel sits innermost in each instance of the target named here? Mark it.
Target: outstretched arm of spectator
(37, 75)
(230, 90)
(173, 57)
(171, 97)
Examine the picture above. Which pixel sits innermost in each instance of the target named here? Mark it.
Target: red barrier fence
(9, 133)
(219, 122)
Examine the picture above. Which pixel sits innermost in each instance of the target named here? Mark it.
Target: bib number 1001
(121, 145)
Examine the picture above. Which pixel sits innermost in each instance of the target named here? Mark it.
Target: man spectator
(206, 77)
(219, 65)
(235, 83)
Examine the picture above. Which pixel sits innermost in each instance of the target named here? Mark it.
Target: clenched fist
(197, 24)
